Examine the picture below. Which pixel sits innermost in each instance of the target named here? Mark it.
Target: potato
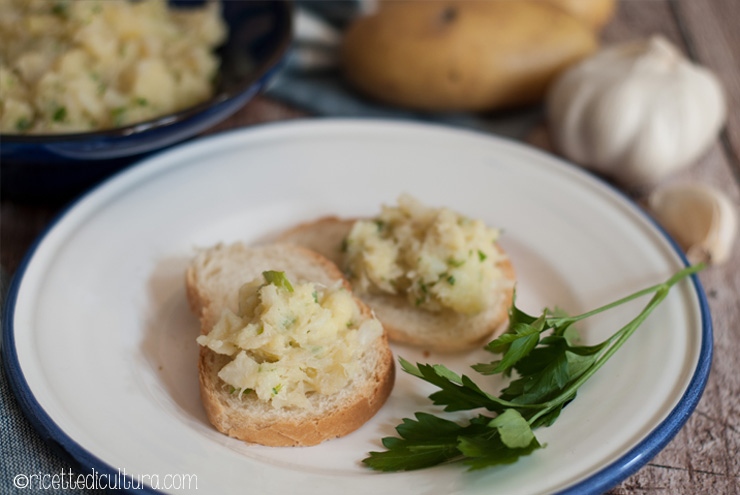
(460, 55)
(595, 13)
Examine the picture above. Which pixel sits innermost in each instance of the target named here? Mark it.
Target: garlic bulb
(701, 219)
(635, 112)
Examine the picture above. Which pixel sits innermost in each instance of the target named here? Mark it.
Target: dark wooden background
(704, 458)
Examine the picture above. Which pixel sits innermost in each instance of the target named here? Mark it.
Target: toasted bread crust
(295, 429)
(324, 236)
(444, 331)
(248, 418)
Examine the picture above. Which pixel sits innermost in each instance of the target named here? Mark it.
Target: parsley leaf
(424, 442)
(550, 367)
(430, 440)
(516, 343)
(277, 278)
(513, 429)
(60, 114)
(457, 393)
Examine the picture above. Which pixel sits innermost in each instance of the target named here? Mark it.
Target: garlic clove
(701, 219)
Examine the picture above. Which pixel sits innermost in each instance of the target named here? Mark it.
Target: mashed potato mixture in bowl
(87, 87)
(70, 66)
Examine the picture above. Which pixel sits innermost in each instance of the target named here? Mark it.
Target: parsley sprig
(550, 367)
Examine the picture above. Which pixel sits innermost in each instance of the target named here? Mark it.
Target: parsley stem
(619, 338)
(689, 270)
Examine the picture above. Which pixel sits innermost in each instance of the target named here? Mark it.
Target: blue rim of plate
(606, 478)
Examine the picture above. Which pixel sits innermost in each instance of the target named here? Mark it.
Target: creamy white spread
(290, 341)
(438, 258)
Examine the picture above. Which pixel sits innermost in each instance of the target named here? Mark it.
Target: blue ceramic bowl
(38, 166)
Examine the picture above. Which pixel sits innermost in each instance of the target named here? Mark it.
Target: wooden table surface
(705, 456)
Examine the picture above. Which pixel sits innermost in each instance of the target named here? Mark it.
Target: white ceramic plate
(100, 345)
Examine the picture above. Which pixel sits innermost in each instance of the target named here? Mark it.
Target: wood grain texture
(712, 37)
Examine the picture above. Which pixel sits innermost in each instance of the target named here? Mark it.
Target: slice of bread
(212, 282)
(444, 331)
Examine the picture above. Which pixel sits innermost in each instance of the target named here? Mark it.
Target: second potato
(462, 55)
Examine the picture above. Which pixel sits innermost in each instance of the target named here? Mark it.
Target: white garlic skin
(635, 112)
(701, 219)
